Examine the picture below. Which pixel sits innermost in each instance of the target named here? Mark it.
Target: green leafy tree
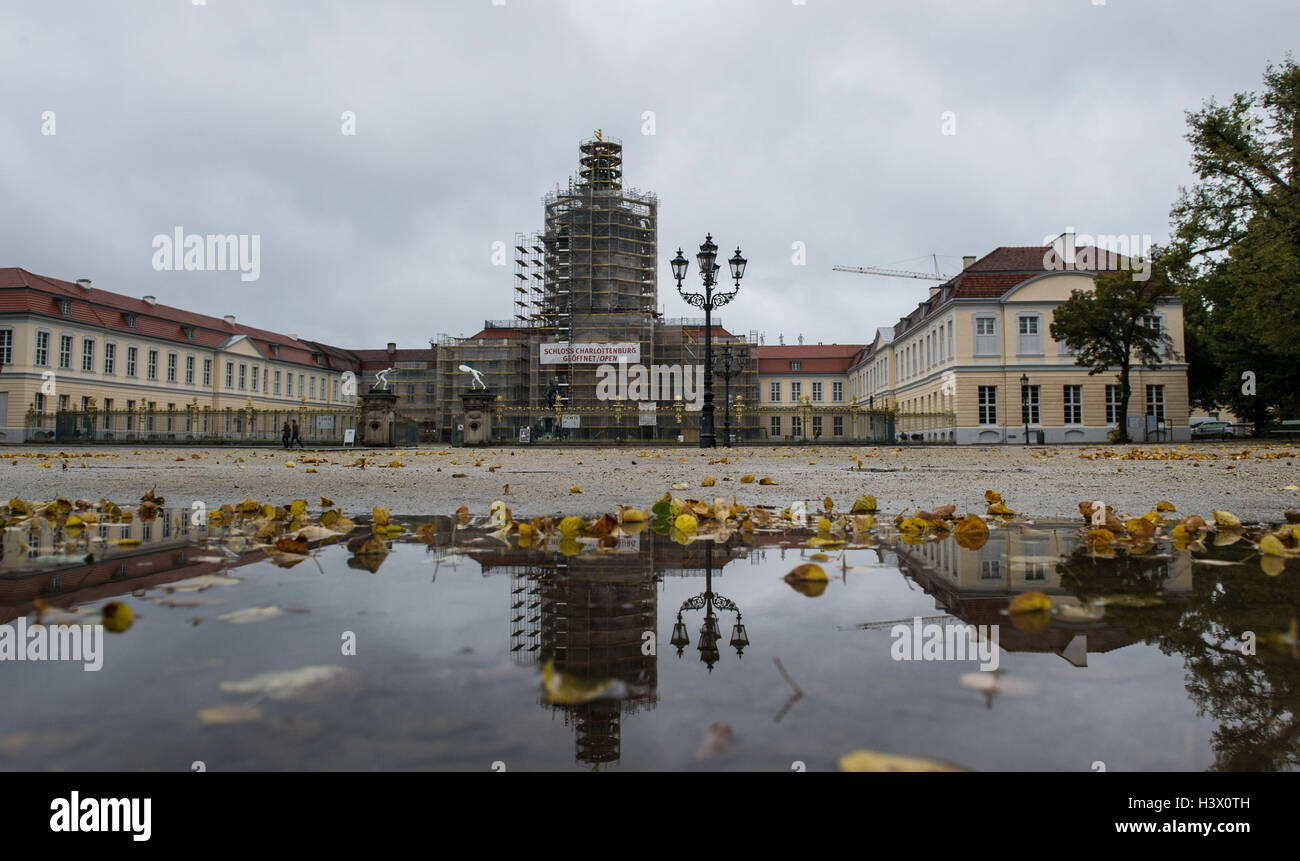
(1235, 255)
(1106, 328)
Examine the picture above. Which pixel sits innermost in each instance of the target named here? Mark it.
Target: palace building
(954, 368)
(131, 368)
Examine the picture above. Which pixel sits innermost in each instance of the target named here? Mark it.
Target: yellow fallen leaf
(747, 479)
(564, 689)
(1271, 546)
(1030, 602)
(870, 760)
(1227, 520)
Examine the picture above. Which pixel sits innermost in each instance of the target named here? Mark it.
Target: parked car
(1214, 430)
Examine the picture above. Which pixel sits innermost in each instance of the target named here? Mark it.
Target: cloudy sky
(774, 123)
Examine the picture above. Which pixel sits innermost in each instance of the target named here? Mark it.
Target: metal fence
(191, 425)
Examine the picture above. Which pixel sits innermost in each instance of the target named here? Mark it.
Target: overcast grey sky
(775, 123)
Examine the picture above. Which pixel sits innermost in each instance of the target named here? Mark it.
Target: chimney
(934, 291)
(230, 320)
(1063, 245)
(968, 261)
(151, 300)
(392, 348)
(84, 284)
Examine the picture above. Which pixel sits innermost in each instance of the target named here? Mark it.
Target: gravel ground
(1250, 479)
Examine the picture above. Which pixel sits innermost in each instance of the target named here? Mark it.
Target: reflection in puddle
(649, 652)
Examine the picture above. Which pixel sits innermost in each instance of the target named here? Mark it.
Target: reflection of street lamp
(708, 300)
(1024, 403)
(710, 634)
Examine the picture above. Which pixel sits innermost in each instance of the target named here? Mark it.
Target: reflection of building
(589, 279)
(977, 586)
(589, 614)
(164, 555)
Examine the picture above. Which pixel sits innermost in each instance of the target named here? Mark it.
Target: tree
(1106, 328)
(1235, 255)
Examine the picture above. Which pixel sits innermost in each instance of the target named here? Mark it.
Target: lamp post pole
(727, 371)
(708, 300)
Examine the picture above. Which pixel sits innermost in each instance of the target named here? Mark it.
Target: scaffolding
(530, 268)
(590, 277)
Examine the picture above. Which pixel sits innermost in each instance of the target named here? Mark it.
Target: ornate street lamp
(708, 300)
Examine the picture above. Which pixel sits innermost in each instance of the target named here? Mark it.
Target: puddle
(442, 646)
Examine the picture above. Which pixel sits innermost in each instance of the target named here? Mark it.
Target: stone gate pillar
(378, 418)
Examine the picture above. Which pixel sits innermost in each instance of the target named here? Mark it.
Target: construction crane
(896, 273)
(889, 623)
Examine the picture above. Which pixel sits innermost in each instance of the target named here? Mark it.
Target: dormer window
(130, 320)
(65, 307)
(275, 350)
(794, 365)
(189, 332)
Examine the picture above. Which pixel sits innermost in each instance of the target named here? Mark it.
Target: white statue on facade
(478, 376)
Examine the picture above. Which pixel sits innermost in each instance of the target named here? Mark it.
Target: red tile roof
(997, 272)
(807, 351)
(812, 358)
(22, 291)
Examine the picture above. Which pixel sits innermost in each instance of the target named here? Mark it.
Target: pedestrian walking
(295, 438)
(284, 436)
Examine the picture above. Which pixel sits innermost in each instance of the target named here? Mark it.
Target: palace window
(1029, 405)
(1030, 342)
(988, 405)
(1156, 402)
(986, 336)
(1073, 405)
(1112, 405)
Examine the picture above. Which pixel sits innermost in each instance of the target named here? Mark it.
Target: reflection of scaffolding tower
(594, 614)
(525, 614)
